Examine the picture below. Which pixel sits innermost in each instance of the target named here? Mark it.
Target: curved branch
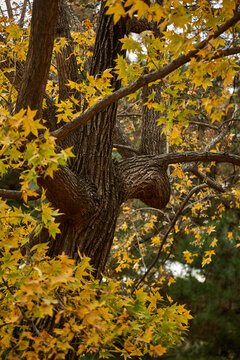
(145, 179)
(71, 194)
(142, 81)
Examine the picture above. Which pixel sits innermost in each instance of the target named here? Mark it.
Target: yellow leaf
(171, 281)
(158, 350)
(214, 242)
(116, 10)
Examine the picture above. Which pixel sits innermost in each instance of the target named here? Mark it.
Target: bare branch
(9, 8)
(211, 183)
(226, 52)
(16, 195)
(125, 147)
(128, 114)
(142, 81)
(23, 13)
(211, 145)
(199, 123)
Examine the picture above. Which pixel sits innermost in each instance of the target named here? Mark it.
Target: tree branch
(185, 157)
(71, 194)
(128, 148)
(189, 156)
(180, 210)
(9, 9)
(145, 179)
(23, 13)
(142, 81)
(16, 195)
(226, 52)
(211, 183)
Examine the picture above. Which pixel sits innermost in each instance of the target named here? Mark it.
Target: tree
(89, 188)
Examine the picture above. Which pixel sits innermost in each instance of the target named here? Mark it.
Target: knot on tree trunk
(147, 181)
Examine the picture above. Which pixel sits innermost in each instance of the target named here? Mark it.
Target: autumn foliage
(55, 305)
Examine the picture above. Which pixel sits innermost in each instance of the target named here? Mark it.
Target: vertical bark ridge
(95, 139)
(93, 236)
(33, 83)
(66, 60)
(151, 137)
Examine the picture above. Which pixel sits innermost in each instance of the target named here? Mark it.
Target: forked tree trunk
(90, 191)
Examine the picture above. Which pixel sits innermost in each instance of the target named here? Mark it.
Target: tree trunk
(86, 230)
(90, 191)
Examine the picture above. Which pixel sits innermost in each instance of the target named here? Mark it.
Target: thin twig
(29, 321)
(125, 147)
(210, 182)
(193, 191)
(128, 114)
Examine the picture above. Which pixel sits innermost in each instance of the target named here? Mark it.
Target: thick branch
(142, 81)
(185, 157)
(144, 180)
(189, 156)
(70, 194)
(144, 177)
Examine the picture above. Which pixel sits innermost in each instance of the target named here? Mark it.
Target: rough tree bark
(91, 190)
